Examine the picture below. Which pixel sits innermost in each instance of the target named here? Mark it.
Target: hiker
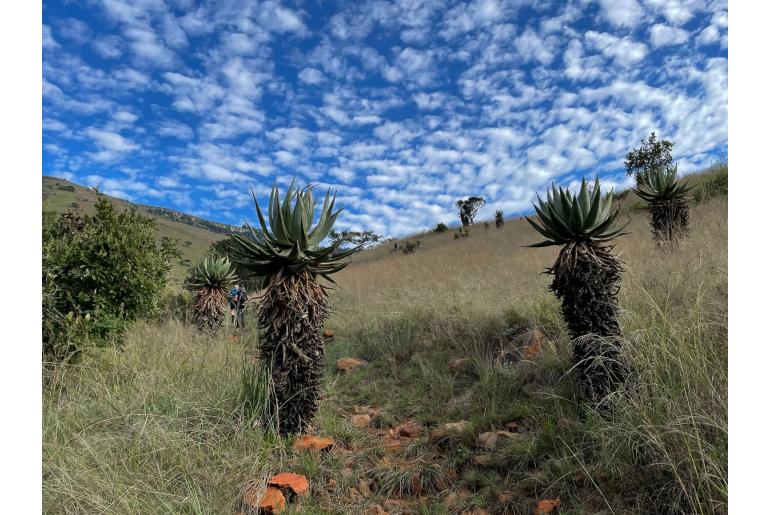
(237, 300)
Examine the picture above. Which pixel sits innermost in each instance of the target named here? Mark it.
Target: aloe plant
(667, 208)
(586, 279)
(293, 306)
(209, 281)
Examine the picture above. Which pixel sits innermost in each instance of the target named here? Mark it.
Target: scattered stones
(313, 443)
(481, 460)
(410, 429)
(526, 346)
(449, 430)
(273, 501)
(512, 426)
(349, 364)
(490, 439)
(375, 510)
(361, 420)
(296, 483)
(461, 366)
(393, 504)
(328, 333)
(547, 506)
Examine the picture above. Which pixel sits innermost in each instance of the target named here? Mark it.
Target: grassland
(155, 427)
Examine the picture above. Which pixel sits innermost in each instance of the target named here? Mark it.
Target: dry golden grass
(155, 427)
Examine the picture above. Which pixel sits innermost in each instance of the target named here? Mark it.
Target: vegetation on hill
(99, 272)
(447, 412)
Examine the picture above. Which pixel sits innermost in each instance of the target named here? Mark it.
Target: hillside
(166, 410)
(194, 234)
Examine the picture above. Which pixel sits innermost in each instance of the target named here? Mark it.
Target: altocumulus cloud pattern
(401, 106)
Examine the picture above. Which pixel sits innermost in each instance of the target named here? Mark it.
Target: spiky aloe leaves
(211, 272)
(566, 217)
(586, 280)
(667, 208)
(660, 184)
(290, 240)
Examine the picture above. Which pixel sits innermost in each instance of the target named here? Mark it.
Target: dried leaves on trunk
(292, 311)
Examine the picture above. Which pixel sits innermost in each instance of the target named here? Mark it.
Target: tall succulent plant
(293, 305)
(667, 208)
(209, 281)
(586, 279)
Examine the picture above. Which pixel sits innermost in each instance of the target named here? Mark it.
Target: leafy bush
(714, 186)
(441, 227)
(99, 273)
(66, 187)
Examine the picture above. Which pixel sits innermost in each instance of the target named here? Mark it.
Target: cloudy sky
(401, 106)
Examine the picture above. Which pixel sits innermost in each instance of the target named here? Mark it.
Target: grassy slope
(153, 428)
(58, 200)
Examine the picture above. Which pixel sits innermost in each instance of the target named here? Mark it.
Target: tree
(294, 304)
(586, 278)
(667, 208)
(209, 282)
(653, 154)
(101, 271)
(346, 239)
(468, 208)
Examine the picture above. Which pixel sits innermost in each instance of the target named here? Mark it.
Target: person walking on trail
(237, 300)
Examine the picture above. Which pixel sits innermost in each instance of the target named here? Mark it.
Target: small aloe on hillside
(293, 305)
(586, 279)
(209, 281)
(667, 207)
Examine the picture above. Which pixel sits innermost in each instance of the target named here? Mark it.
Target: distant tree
(441, 227)
(499, 219)
(468, 209)
(653, 154)
(346, 239)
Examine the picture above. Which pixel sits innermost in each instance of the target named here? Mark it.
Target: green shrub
(66, 187)
(714, 186)
(441, 227)
(99, 273)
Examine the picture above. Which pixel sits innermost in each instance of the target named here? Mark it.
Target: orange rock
(273, 501)
(375, 510)
(312, 443)
(392, 444)
(547, 506)
(410, 430)
(360, 420)
(349, 364)
(328, 334)
(481, 460)
(297, 483)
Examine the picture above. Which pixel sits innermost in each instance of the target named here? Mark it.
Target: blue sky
(403, 107)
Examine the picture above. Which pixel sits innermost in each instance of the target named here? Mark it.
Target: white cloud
(277, 18)
(622, 13)
(109, 140)
(48, 40)
(662, 35)
(125, 116)
(109, 47)
(311, 76)
(73, 29)
(532, 46)
(623, 51)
